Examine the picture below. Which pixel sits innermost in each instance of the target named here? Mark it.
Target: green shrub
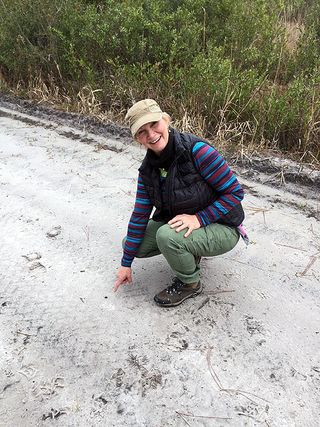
(224, 62)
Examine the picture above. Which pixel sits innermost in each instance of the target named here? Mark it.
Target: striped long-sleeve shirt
(214, 169)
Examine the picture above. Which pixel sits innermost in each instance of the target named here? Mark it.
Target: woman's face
(154, 135)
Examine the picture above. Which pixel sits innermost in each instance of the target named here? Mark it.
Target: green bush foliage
(228, 63)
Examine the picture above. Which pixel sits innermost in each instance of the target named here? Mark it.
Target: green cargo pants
(180, 252)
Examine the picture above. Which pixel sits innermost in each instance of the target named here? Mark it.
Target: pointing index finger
(117, 284)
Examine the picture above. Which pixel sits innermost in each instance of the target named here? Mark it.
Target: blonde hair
(165, 116)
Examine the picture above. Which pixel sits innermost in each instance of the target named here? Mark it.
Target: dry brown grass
(293, 31)
(47, 92)
(235, 138)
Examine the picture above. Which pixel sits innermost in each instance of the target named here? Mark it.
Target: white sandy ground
(73, 353)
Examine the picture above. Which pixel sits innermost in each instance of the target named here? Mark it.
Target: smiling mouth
(155, 141)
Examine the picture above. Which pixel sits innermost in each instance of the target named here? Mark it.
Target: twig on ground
(212, 372)
(86, 230)
(252, 266)
(204, 302)
(310, 264)
(238, 393)
(256, 209)
(25, 334)
(181, 416)
(216, 379)
(292, 247)
(203, 416)
(244, 393)
(218, 292)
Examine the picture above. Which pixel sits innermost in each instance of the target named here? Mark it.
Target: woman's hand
(124, 276)
(180, 222)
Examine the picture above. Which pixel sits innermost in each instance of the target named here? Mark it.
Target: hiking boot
(176, 293)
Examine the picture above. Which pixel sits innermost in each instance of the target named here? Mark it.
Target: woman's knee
(165, 235)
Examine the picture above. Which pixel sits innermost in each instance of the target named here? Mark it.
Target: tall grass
(244, 71)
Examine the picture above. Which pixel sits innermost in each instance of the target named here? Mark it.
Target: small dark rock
(120, 409)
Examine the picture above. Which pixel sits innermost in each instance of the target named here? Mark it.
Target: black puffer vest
(187, 191)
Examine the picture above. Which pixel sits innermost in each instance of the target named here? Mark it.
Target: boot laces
(176, 286)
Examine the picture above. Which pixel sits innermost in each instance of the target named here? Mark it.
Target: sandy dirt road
(72, 353)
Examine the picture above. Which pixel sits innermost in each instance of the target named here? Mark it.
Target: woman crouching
(197, 201)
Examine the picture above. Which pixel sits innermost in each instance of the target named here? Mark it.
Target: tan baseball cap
(143, 112)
